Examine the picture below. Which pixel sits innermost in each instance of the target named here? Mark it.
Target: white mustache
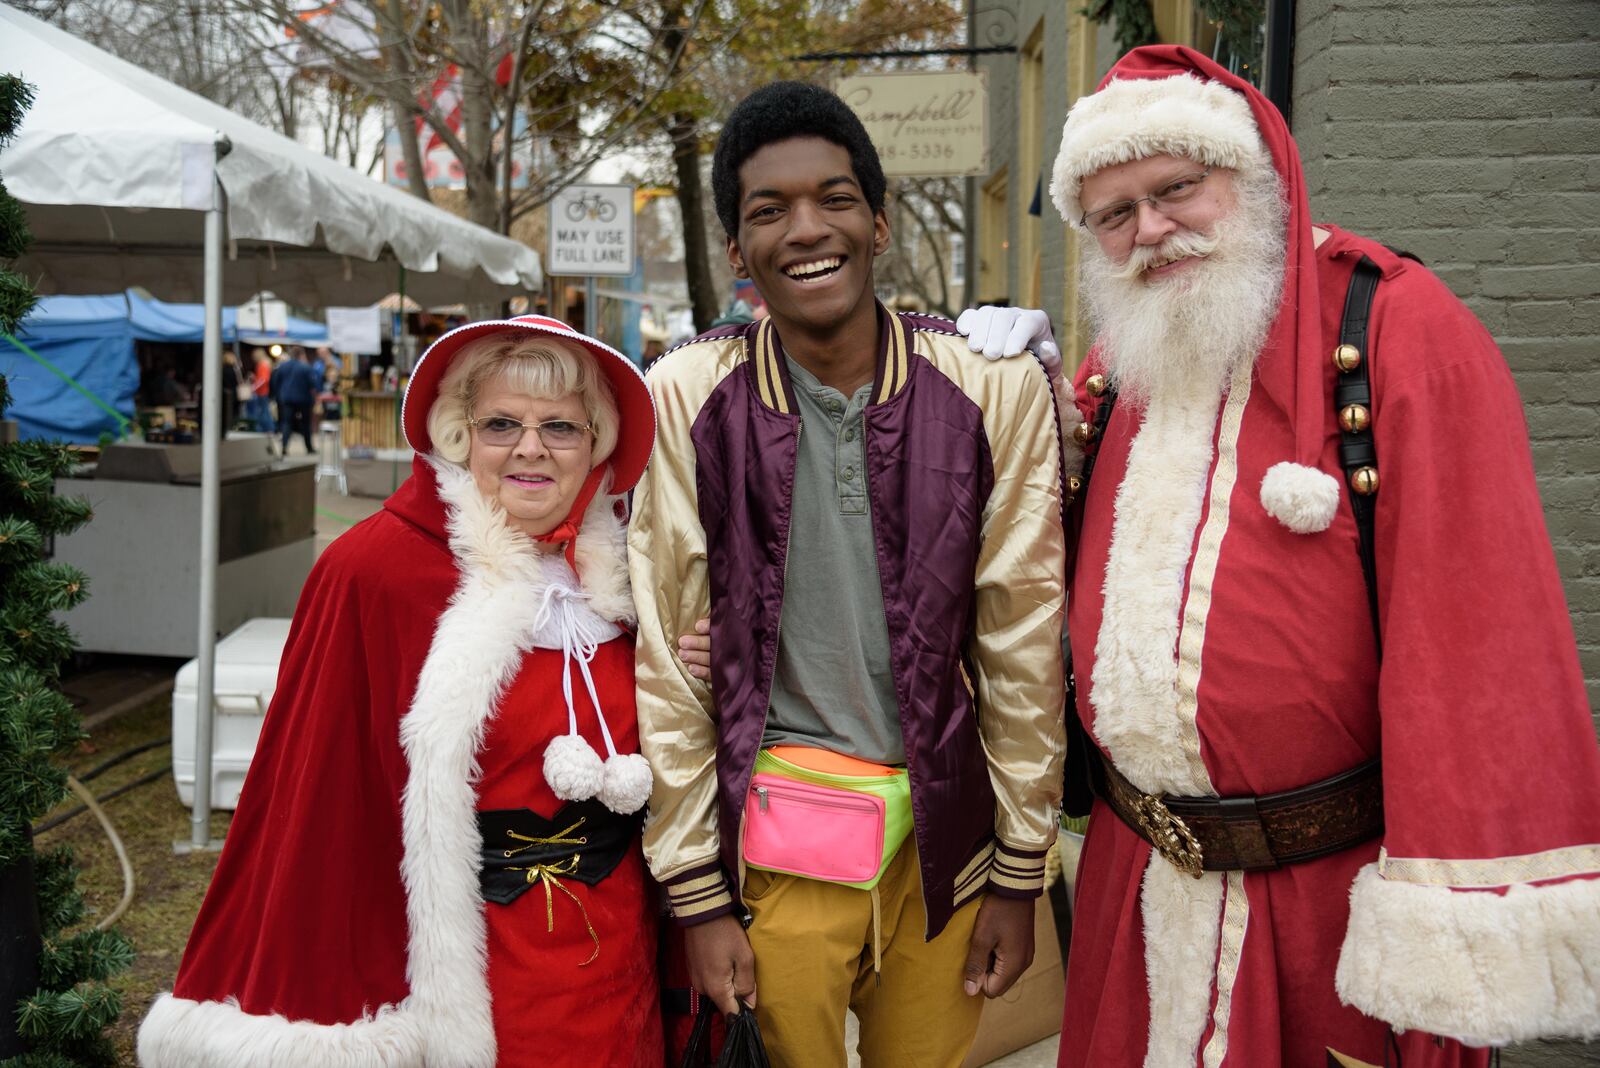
(1176, 247)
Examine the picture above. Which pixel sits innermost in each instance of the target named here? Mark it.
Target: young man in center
(855, 812)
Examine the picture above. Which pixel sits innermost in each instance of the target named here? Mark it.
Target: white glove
(1000, 332)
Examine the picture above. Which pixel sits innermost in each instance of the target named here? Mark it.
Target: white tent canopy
(116, 167)
(129, 180)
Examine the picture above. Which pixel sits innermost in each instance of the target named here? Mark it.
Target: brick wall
(1468, 132)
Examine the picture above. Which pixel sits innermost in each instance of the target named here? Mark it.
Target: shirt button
(849, 473)
(849, 435)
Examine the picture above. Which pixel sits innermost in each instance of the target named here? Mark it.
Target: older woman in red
(435, 859)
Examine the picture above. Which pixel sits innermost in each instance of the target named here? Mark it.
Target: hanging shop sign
(591, 231)
(926, 124)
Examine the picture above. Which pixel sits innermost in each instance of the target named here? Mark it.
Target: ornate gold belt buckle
(1170, 835)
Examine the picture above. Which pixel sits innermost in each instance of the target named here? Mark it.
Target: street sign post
(591, 234)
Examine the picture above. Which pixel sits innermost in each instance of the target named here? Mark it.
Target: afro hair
(778, 112)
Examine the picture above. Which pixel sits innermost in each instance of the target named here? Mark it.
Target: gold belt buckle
(1169, 834)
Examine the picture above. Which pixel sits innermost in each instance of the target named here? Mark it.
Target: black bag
(742, 1049)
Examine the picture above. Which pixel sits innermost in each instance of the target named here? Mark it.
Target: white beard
(1192, 330)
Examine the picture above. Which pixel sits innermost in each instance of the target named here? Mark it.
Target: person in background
(260, 388)
(297, 389)
(230, 390)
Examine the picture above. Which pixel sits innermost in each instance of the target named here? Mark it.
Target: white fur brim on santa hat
(1136, 118)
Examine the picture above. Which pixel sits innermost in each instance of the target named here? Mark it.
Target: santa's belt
(584, 841)
(1199, 834)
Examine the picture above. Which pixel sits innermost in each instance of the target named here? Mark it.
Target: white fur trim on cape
(1182, 924)
(1158, 505)
(178, 1033)
(1135, 118)
(1482, 967)
(1302, 498)
(478, 646)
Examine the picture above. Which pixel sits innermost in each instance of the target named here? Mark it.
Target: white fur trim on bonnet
(1135, 118)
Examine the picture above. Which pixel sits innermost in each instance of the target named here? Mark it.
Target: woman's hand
(695, 650)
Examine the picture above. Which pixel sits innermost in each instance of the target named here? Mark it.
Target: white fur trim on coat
(1158, 506)
(1135, 118)
(1475, 965)
(1302, 498)
(1181, 930)
(477, 649)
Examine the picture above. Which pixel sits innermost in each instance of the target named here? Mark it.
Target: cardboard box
(1031, 1009)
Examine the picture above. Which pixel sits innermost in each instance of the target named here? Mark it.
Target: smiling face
(807, 236)
(537, 486)
(1159, 243)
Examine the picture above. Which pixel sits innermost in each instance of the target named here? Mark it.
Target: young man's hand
(1002, 945)
(695, 650)
(999, 332)
(721, 963)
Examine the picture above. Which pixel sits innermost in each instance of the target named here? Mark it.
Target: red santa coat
(1477, 914)
(345, 924)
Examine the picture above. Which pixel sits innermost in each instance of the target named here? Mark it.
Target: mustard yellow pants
(813, 943)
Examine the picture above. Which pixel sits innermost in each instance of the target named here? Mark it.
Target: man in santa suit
(1430, 885)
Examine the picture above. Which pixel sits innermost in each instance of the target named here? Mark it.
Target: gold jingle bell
(1355, 418)
(1084, 433)
(1096, 385)
(1074, 484)
(1347, 357)
(1364, 480)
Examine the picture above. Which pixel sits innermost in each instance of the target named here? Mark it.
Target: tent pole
(210, 494)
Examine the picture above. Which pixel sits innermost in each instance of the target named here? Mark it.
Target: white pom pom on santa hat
(627, 785)
(572, 768)
(1302, 498)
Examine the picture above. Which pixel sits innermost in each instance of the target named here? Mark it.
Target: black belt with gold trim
(1198, 834)
(584, 841)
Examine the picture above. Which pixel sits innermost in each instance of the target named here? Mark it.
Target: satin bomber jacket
(964, 478)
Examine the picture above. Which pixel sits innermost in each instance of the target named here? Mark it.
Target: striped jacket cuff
(1017, 872)
(699, 894)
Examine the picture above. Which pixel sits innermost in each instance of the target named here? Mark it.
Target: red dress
(550, 1007)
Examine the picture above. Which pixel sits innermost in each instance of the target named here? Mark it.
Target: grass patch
(168, 888)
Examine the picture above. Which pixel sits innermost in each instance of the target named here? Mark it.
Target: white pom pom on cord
(572, 768)
(628, 782)
(1302, 498)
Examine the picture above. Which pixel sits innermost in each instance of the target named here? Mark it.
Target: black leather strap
(1077, 796)
(1357, 449)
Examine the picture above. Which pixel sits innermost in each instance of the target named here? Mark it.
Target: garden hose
(92, 805)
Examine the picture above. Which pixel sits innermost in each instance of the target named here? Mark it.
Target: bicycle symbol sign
(591, 231)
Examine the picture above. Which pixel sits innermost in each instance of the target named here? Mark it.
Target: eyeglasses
(500, 430)
(1107, 219)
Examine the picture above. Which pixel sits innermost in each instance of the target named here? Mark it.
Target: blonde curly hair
(538, 365)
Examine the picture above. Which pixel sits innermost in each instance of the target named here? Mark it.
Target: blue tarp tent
(90, 340)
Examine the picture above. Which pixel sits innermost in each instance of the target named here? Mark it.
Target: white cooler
(246, 675)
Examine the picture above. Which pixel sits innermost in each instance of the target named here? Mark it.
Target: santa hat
(1171, 100)
(636, 413)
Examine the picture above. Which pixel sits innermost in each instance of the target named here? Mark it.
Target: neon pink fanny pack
(814, 831)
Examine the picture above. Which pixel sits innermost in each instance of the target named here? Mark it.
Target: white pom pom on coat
(572, 768)
(627, 784)
(1302, 498)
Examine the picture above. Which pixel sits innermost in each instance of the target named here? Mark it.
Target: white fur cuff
(1474, 965)
(1302, 498)
(178, 1033)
